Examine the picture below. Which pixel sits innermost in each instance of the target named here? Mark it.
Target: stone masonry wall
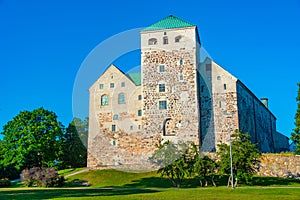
(180, 94)
(256, 120)
(280, 166)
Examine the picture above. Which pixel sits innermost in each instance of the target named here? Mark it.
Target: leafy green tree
(245, 158)
(172, 161)
(32, 139)
(74, 145)
(205, 168)
(296, 132)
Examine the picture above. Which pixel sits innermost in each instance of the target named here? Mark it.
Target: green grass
(112, 184)
(65, 172)
(149, 194)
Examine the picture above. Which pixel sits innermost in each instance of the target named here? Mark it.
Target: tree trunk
(200, 182)
(235, 184)
(213, 182)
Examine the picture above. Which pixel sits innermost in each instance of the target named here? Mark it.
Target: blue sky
(44, 43)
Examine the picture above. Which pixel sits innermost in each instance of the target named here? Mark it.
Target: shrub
(42, 177)
(4, 182)
(9, 172)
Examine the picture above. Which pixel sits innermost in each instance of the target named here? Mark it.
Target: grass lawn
(111, 184)
(152, 193)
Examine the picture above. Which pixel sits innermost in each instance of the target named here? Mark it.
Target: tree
(295, 136)
(245, 158)
(74, 151)
(32, 139)
(205, 168)
(172, 161)
(6, 171)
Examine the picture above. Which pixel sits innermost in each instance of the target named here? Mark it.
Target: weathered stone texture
(256, 119)
(280, 166)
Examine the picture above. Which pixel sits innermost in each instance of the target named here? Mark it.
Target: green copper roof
(169, 23)
(135, 77)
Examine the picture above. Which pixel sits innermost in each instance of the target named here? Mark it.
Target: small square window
(181, 77)
(161, 68)
(140, 97)
(123, 84)
(116, 117)
(113, 128)
(218, 78)
(139, 112)
(101, 86)
(161, 87)
(162, 105)
(112, 85)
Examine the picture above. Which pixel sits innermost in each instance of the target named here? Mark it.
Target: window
(112, 85)
(139, 112)
(225, 86)
(218, 78)
(165, 40)
(121, 98)
(180, 62)
(177, 39)
(114, 143)
(123, 84)
(104, 100)
(181, 77)
(140, 97)
(116, 117)
(202, 88)
(208, 67)
(101, 86)
(161, 87)
(131, 127)
(161, 68)
(162, 105)
(113, 128)
(139, 127)
(152, 41)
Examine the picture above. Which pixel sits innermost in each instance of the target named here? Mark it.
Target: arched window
(178, 38)
(121, 98)
(152, 41)
(104, 100)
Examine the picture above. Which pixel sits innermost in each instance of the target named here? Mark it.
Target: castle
(175, 97)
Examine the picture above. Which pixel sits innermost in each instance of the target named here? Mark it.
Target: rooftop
(169, 23)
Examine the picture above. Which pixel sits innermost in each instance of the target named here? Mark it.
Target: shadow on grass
(273, 181)
(29, 194)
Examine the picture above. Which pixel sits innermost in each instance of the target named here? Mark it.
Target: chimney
(265, 101)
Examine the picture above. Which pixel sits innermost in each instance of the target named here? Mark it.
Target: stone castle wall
(280, 166)
(180, 120)
(255, 119)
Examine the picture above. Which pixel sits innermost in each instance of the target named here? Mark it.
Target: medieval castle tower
(174, 97)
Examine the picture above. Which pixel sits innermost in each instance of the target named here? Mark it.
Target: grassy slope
(111, 184)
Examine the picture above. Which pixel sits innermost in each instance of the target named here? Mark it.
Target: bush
(42, 177)
(4, 182)
(9, 172)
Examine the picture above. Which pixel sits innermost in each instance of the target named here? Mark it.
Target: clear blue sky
(43, 44)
